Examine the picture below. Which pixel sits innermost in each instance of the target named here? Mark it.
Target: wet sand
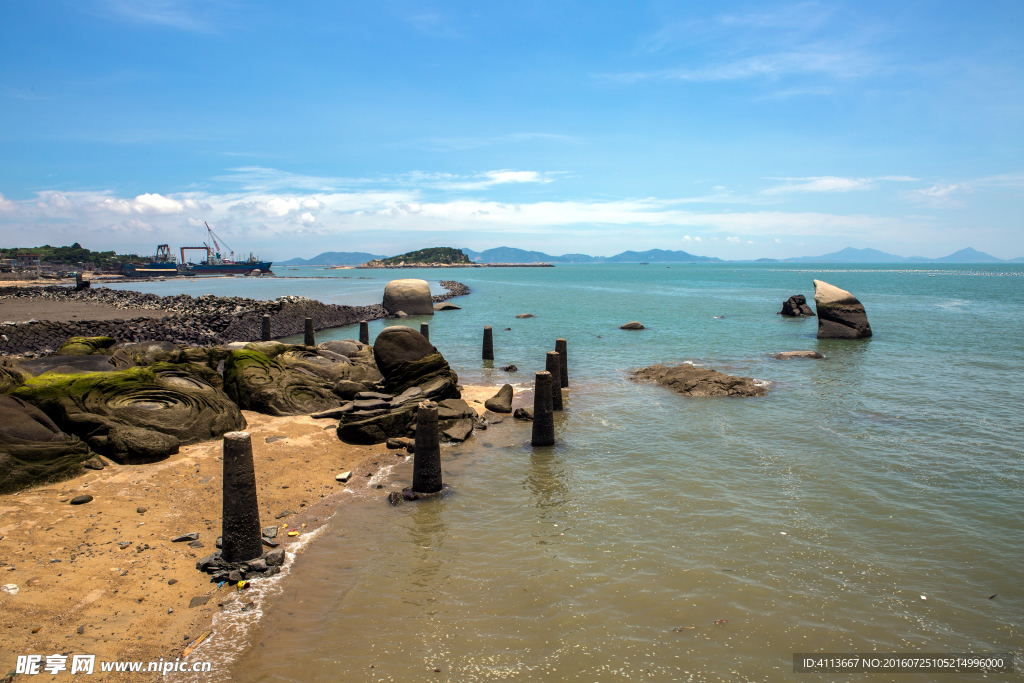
(23, 310)
(104, 578)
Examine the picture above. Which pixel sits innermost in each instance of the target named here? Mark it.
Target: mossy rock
(74, 365)
(210, 357)
(106, 409)
(85, 346)
(147, 353)
(266, 385)
(331, 370)
(10, 379)
(33, 450)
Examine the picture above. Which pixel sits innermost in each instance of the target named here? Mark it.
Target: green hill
(446, 255)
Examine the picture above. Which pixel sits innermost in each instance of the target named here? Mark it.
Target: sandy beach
(104, 578)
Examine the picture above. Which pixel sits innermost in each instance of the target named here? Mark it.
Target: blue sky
(737, 130)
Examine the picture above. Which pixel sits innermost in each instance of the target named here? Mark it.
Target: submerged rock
(795, 307)
(688, 380)
(786, 355)
(632, 325)
(840, 314)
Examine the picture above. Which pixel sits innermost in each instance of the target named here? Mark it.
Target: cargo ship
(216, 264)
(161, 265)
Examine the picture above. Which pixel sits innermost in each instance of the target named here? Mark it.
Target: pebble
(171, 582)
(195, 544)
(141, 510)
(191, 536)
(10, 588)
(81, 500)
(269, 532)
(80, 630)
(343, 477)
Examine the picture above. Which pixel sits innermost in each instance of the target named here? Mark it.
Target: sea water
(872, 501)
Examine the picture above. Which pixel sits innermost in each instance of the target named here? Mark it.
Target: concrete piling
(364, 332)
(543, 417)
(310, 337)
(265, 331)
(488, 343)
(425, 330)
(561, 347)
(554, 368)
(426, 467)
(241, 512)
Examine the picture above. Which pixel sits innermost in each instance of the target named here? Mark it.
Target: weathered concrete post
(488, 343)
(426, 466)
(554, 367)
(425, 330)
(563, 351)
(310, 337)
(241, 512)
(543, 417)
(265, 331)
(364, 332)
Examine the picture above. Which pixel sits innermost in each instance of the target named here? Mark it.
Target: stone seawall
(202, 321)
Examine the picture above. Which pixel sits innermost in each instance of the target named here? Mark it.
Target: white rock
(344, 476)
(409, 295)
(11, 588)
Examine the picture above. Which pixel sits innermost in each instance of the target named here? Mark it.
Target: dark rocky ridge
(201, 321)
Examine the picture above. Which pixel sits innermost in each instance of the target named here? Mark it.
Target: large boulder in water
(269, 386)
(33, 450)
(840, 314)
(795, 307)
(501, 402)
(689, 380)
(135, 415)
(411, 296)
(407, 359)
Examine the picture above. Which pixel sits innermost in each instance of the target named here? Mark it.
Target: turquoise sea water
(871, 501)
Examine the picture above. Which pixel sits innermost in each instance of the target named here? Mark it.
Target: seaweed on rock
(135, 415)
(33, 450)
(266, 385)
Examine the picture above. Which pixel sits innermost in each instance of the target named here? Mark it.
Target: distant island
(447, 256)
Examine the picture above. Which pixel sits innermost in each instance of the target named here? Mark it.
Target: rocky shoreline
(202, 321)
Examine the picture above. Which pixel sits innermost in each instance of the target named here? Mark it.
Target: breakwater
(205, 320)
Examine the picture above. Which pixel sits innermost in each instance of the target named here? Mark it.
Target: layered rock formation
(795, 307)
(138, 414)
(688, 380)
(840, 314)
(33, 450)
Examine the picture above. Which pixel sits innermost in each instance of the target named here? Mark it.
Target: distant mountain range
(513, 255)
(333, 258)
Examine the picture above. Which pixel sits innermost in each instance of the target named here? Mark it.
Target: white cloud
(820, 184)
(7, 204)
(939, 195)
(307, 218)
(155, 203)
(735, 240)
(312, 204)
(777, 241)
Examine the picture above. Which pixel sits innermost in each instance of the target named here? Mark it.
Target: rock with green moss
(72, 365)
(33, 450)
(147, 353)
(267, 385)
(135, 415)
(10, 378)
(86, 346)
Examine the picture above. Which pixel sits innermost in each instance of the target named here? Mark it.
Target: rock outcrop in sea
(410, 295)
(795, 307)
(689, 380)
(840, 314)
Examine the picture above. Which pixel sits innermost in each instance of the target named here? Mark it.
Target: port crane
(212, 255)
